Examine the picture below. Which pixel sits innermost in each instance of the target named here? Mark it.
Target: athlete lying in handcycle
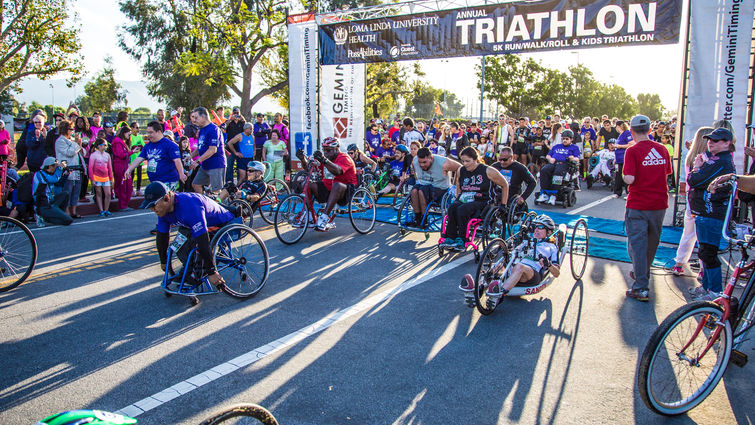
(252, 189)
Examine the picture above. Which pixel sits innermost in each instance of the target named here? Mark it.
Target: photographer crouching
(48, 203)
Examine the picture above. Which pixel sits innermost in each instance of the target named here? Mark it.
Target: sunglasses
(540, 226)
(504, 159)
(351, 152)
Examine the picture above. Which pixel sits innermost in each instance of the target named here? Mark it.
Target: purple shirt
(196, 212)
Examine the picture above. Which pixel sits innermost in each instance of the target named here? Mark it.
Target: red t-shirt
(649, 163)
(393, 130)
(349, 175)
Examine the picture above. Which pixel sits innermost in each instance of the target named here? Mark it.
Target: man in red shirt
(646, 165)
(339, 180)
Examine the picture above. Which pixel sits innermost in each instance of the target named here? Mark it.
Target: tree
(102, 92)
(582, 93)
(650, 105)
(614, 101)
(386, 83)
(274, 68)
(142, 110)
(421, 103)
(36, 40)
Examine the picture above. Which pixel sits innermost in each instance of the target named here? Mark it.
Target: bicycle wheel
(362, 211)
(18, 253)
(493, 226)
(579, 247)
(241, 258)
(672, 379)
(277, 190)
(514, 218)
(242, 414)
(268, 170)
(247, 215)
(297, 181)
(291, 219)
(492, 266)
(405, 213)
(401, 192)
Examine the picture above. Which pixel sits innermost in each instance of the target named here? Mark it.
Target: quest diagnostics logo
(340, 35)
(395, 52)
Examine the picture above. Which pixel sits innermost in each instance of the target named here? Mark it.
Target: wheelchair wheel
(277, 191)
(18, 253)
(445, 202)
(247, 215)
(362, 211)
(401, 192)
(405, 213)
(493, 226)
(291, 219)
(268, 170)
(241, 258)
(297, 182)
(579, 247)
(495, 256)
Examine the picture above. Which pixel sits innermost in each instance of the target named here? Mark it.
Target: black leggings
(550, 170)
(459, 215)
(618, 183)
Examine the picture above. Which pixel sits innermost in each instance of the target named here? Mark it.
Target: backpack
(24, 186)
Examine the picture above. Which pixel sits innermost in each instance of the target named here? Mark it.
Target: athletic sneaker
(460, 244)
(677, 271)
(495, 289)
(322, 221)
(40, 220)
(638, 294)
(467, 283)
(552, 200)
(448, 243)
(543, 197)
(697, 291)
(108, 213)
(707, 296)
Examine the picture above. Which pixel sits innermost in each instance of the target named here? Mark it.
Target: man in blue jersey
(210, 151)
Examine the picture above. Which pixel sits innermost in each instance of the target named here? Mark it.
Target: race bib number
(506, 175)
(151, 165)
(178, 242)
(326, 174)
(537, 148)
(520, 139)
(466, 197)
(558, 179)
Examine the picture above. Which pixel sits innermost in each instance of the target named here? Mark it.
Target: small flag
(438, 110)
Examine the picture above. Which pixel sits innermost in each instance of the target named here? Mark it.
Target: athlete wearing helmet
(339, 179)
(252, 188)
(400, 169)
(540, 254)
(91, 417)
(557, 166)
(361, 161)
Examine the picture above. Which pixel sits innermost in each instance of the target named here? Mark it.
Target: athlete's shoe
(448, 243)
(495, 289)
(707, 296)
(543, 197)
(552, 200)
(639, 294)
(697, 291)
(677, 271)
(322, 221)
(467, 283)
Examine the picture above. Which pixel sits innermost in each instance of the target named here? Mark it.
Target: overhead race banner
(342, 104)
(517, 27)
(719, 60)
(302, 81)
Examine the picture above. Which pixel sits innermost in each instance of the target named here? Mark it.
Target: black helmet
(567, 133)
(352, 147)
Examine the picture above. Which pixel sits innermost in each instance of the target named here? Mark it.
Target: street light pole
(482, 89)
(52, 88)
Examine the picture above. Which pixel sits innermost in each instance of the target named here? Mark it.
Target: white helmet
(544, 220)
(257, 166)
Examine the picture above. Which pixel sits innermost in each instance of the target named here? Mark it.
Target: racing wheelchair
(565, 186)
(239, 254)
(501, 255)
(432, 219)
(606, 178)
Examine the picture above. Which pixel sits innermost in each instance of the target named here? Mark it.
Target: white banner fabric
(719, 58)
(342, 103)
(302, 81)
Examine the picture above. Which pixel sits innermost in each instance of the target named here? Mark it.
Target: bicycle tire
(247, 215)
(297, 182)
(15, 266)
(493, 226)
(292, 212)
(274, 196)
(242, 410)
(405, 213)
(399, 194)
(362, 211)
(496, 249)
(579, 248)
(251, 281)
(268, 170)
(650, 362)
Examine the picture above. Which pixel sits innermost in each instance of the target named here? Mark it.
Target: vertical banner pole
(482, 88)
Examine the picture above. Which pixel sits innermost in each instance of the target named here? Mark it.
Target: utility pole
(482, 89)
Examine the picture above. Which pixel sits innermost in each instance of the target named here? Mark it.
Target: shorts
(431, 192)
(242, 163)
(395, 180)
(519, 148)
(214, 178)
(534, 280)
(102, 184)
(323, 193)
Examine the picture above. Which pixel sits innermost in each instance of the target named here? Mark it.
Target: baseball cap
(236, 109)
(720, 134)
(153, 192)
(548, 117)
(108, 124)
(169, 134)
(260, 115)
(49, 161)
(639, 121)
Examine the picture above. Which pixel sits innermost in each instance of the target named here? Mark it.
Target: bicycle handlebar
(732, 182)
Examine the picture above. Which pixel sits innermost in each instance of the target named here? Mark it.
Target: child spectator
(101, 174)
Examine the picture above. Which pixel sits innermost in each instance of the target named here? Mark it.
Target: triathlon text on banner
(502, 28)
(302, 81)
(342, 104)
(719, 61)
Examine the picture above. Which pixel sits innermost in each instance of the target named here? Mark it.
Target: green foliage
(142, 110)
(422, 101)
(36, 40)
(386, 83)
(102, 92)
(651, 106)
(273, 69)
(9, 105)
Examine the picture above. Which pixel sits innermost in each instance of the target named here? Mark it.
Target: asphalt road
(349, 329)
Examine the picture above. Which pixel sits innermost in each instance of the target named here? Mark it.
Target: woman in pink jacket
(123, 188)
(101, 174)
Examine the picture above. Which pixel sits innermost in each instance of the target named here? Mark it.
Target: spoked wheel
(297, 181)
(401, 192)
(277, 190)
(291, 219)
(492, 266)
(493, 226)
(515, 217)
(368, 179)
(241, 258)
(446, 201)
(405, 213)
(242, 414)
(247, 215)
(18, 253)
(268, 170)
(362, 211)
(672, 378)
(579, 248)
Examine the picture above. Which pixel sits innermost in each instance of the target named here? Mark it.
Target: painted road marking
(590, 205)
(78, 223)
(293, 338)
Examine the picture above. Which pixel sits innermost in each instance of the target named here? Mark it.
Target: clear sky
(637, 69)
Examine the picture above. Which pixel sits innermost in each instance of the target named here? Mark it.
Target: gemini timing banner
(516, 27)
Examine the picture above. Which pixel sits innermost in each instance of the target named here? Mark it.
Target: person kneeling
(50, 205)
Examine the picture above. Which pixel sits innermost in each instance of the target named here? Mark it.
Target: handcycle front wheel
(291, 219)
(493, 226)
(671, 377)
(18, 253)
(362, 211)
(495, 255)
(241, 259)
(247, 215)
(579, 248)
(234, 414)
(278, 190)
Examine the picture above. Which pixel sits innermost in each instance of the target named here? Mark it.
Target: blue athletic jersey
(210, 135)
(560, 152)
(159, 157)
(196, 212)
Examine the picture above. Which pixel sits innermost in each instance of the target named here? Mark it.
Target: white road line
(78, 223)
(196, 381)
(590, 205)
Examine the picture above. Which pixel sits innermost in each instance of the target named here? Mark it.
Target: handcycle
(494, 221)
(501, 255)
(275, 190)
(295, 211)
(432, 218)
(228, 415)
(18, 253)
(688, 353)
(240, 256)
